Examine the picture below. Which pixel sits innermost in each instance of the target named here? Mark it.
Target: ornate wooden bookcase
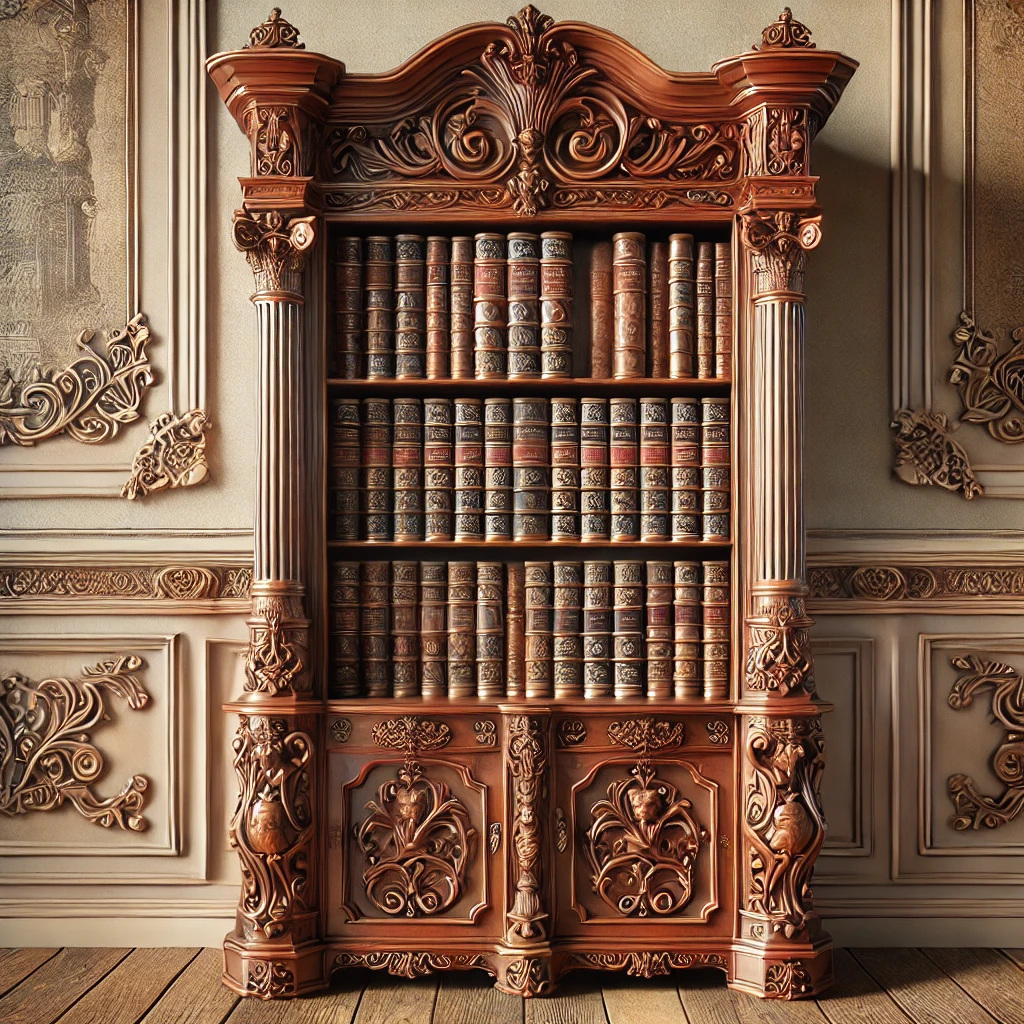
(528, 125)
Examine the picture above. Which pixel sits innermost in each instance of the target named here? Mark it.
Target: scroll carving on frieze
(927, 455)
(779, 241)
(278, 640)
(274, 247)
(972, 809)
(412, 734)
(779, 646)
(272, 825)
(47, 757)
(782, 819)
(174, 456)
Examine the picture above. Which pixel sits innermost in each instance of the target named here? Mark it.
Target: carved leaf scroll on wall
(174, 455)
(926, 454)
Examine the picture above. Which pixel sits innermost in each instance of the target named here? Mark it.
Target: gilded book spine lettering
(565, 470)
(411, 307)
(681, 306)
(715, 610)
(556, 316)
(623, 452)
(438, 298)
(523, 306)
(348, 309)
(539, 606)
(407, 463)
(498, 469)
(490, 307)
(723, 310)
(344, 639)
(629, 287)
(658, 315)
(715, 498)
(343, 472)
(461, 308)
(686, 469)
(376, 459)
(602, 311)
(405, 639)
(660, 650)
(490, 629)
(469, 469)
(379, 307)
(461, 629)
(434, 629)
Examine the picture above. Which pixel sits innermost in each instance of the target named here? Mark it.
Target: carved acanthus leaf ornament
(90, 400)
(174, 455)
(779, 647)
(973, 810)
(926, 454)
(779, 241)
(269, 979)
(647, 735)
(274, 247)
(47, 757)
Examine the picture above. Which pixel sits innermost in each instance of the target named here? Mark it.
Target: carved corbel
(779, 241)
(927, 455)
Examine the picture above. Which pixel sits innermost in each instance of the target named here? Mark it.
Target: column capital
(275, 248)
(779, 241)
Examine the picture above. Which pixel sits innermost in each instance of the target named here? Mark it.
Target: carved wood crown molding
(927, 455)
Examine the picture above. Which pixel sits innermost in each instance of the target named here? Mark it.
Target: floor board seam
(984, 1009)
(33, 971)
(72, 1005)
(145, 1013)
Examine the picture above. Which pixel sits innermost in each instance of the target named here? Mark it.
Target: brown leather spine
(461, 308)
(658, 305)
(681, 306)
(602, 312)
(344, 360)
(438, 300)
(411, 307)
(629, 289)
(705, 292)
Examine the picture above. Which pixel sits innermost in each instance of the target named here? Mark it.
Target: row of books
(558, 629)
(529, 469)
(497, 306)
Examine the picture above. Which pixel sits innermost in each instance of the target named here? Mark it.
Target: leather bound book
(438, 299)
(374, 628)
(469, 469)
(602, 311)
(531, 459)
(629, 290)
(438, 469)
(497, 468)
(379, 307)
(655, 456)
(343, 498)
(523, 305)
(539, 606)
(715, 501)
(434, 629)
(556, 312)
(716, 631)
(345, 359)
(460, 310)
(490, 307)
(628, 630)
(681, 306)
(461, 629)
(375, 437)
(407, 463)
(705, 310)
(344, 634)
(623, 455)
(515, 622)
(723, 310)
(410, 307)
(567, 629)
(686, 524)
(595, 519)
(660, 650)
(405, 629)
(490, 629)
(686, 616)
(597, 629)
(658, 315)
(565, 470)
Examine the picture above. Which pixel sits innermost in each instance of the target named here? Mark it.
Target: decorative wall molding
(926, 454)
(174, 455)
(917, 585)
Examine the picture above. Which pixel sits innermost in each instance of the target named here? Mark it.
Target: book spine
(523, 306)
(344, 640)
(461, 629)
(469, 469)
(715, 510)
(597, 629)
(498, 469)
(686, 617)
(723, 310)
(539, 605)
(530, 461)
(407, 465)
(655, 456)
(629, 289)
(623, 456)
(681, 291)
(376, 458)
(490, 307)
(686, 469)
(602, 311)
(434, 629)
(438, 469)
(461, 308)
(565, 470)
(405, 637)
(374, 631)
(594, 516)
(379, 307)
(658, 290)
(556, 315)
(660, 650)
(628, 630)
(411, 307)
(567, 629)
(715, 614)
(348, 308)
(705, 310)
(438, 298)
(515, 645)
(343, 474)
(490, 629)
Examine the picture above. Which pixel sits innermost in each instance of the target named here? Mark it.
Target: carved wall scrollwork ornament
(278, 640)
(779, 646)
(90, 400)
(168, 582)
(779, 241)
(926, 454)
(645, 964)
(271, 827)
(47, 757)
(274, 247)
(417, 842)
(786, 33)
(412, 964)
(972, 809)
(647, 735)
(412, 734)
(782, 820)
(174, 455)
(274, 33)
(990, 384)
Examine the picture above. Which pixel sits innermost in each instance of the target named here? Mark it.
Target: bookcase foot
(273, 972)
(524, 973)
(772, 977)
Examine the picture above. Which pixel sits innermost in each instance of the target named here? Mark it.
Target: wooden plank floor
(182, 986)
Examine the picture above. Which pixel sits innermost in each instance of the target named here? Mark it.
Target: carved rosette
(174, 455)
(927, 455)
(779, 241)
(779, 646)
(277, 660)
(271, 829)
(783, 824)
(275, 247)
